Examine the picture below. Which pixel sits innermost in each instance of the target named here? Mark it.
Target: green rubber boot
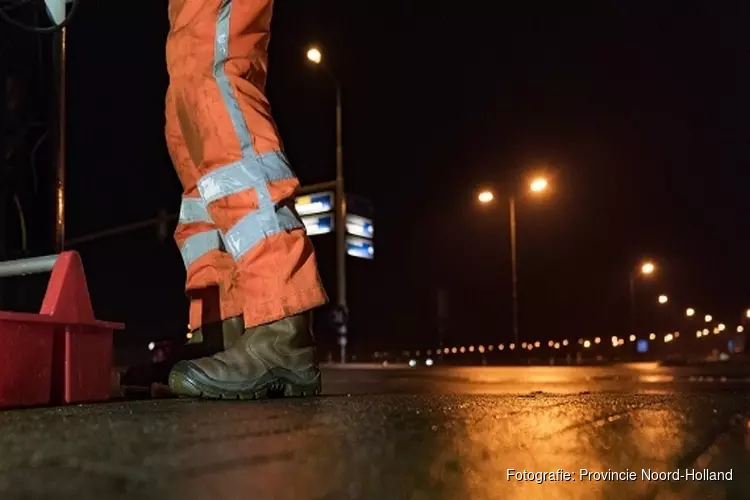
(272, 360)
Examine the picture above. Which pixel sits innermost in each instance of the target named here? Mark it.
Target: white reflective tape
(254, 172)
(199, 245)
(258, 225)
(193, 210)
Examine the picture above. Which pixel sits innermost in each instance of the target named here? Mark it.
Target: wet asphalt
(398, 433)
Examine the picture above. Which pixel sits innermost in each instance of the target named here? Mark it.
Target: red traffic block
(61, 355)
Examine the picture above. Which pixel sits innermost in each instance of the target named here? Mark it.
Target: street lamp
(645, 269)
(663, 299)
(486, 196)
(708, 318)
(690, 312)
(315, 56)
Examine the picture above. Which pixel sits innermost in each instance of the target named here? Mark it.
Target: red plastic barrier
(61, 355)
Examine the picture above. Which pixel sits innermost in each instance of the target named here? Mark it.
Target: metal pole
(340, 224)
(34, 265)
(60, 56)
(514, 266)
(631, 284)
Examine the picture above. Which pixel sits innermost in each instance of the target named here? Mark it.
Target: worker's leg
(215, 308)
(217, 59)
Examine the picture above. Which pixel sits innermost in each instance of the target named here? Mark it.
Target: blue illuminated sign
(318, 224)
(642, 346)
(316, 203)
(360, 248)
(360, 226)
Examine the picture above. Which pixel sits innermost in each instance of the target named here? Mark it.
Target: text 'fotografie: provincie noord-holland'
(561, 475)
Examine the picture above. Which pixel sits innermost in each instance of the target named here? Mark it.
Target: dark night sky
(639, 107)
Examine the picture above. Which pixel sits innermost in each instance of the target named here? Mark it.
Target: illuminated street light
(648, 268)
(747, 313)
(705, 331)
(597, 340)
(663, 299)
(557, 345)
(690, 312)
(586, 344)
(565, 342)
(699, 334)
(537, 344)
(652, 336)
(721, 327)
(512, 346)
(668, 338)
(740, 329)
(151, 346)
(314, 55)
(708, 318)
(485, 196)
(632, 338)
(550, 343)
(538, 185)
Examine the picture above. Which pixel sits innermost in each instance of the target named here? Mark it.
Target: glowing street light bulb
(652, 336)
(538, 185)
(587, 344)
(648, 268)
(663, 299)
(722, 327)
(740, 329)
(690, 312)
(314, 55)
(708, 318)
(632, 338)
(485, 197)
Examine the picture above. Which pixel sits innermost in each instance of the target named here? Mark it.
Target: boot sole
(188, 382)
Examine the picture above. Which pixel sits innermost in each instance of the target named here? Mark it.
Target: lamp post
(315, 56)
(645, 269)
(537, 185)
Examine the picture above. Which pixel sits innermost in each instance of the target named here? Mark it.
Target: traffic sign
(360, 248)
(360, 226)
(316, 203)
(318, 224)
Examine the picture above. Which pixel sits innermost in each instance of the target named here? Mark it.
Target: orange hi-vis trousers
(244, 246)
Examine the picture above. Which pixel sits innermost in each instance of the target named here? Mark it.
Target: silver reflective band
(221, 53)
(254, 172)
(193, 210)
(199, 245)
(258, 225)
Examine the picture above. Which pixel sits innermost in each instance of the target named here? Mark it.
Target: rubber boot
(213, 337)
(206, 341)
(276, 359)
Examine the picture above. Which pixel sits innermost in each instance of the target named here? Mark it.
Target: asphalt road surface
(400, 433)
